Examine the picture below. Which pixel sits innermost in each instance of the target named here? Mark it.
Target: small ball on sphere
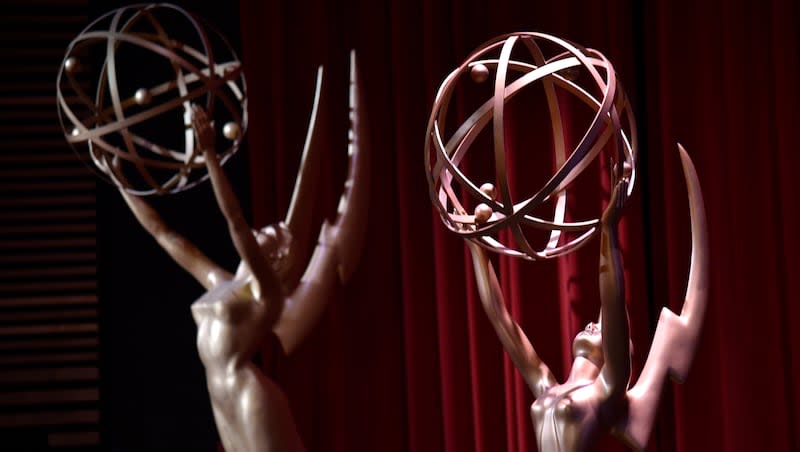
(488, 190)
(482, 213)
(231, 130)
(479, 73)
(143, 96)
(71, 64)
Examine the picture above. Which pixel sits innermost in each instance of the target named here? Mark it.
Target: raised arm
(535, 372)
(616, 371)
(240, 231)
(184, 252)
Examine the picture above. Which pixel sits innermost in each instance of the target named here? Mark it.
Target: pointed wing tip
(688, 164)
(685, 159)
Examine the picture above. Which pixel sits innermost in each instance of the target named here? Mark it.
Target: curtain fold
(404, 358)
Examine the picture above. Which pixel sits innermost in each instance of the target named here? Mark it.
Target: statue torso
(230, 329)
(565, 417)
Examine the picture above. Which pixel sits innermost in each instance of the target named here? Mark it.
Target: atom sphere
(517, 62)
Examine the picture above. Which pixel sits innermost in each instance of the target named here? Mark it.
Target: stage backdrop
(404, 359)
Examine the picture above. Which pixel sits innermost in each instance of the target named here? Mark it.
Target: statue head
(589, 344)
(275, 242)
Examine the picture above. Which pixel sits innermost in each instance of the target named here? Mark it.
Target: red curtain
(405, 359)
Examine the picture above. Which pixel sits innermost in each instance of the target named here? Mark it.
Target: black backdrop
(153, 394)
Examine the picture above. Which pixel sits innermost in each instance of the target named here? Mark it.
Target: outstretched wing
(301, 207)
(351, 220)
(340, 243)
(676, 336)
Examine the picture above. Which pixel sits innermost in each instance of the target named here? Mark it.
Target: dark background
(154, 395)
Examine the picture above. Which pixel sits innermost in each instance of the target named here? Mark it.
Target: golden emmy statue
(273, 288)
(597, 395)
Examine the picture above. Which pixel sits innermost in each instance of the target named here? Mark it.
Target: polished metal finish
(231, 130)
(115, 115)
(556, 71)
(143, 96)
(267, 291)
(596, 396)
